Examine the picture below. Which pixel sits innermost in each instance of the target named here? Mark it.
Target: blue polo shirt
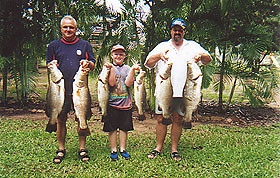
(69, 56)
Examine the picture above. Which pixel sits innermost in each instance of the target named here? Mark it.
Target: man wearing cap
(68, 53)
(182, 53)
(119, 109)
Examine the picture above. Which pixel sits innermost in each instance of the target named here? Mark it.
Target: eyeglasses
(177, 30)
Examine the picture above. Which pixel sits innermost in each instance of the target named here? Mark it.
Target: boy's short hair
(116, 47)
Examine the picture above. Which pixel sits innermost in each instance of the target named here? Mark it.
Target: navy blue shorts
(117, 119)
(67, 106)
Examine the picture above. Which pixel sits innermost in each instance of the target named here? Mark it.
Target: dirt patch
(237, 114)
(242, 115)
(207, 113)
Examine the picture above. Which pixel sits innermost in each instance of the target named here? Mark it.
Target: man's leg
(161, 131)
(176, 131)
(83, 154)
(61, 134)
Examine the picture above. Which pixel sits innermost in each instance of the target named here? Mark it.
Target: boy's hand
(108, 65)
(136, 67)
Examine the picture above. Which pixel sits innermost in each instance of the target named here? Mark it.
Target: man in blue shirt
(69, 53)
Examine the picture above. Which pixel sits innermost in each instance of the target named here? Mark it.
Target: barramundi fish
(140, 94)
(82, 100)
(55, 96)
(103, 90)
(192, 93)
(164, 91)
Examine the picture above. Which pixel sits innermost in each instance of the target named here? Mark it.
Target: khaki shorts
(177, 104)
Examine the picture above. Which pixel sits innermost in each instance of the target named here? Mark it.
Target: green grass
(208, 151)
(238, 95)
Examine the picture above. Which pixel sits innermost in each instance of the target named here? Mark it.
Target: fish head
(169, 64)
(104, 75)
(81, 76)
(140, 77)
(55, 73)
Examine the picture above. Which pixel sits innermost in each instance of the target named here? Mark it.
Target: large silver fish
(55, 96)
(192, 94)
(140, 94)
(164, 91)
(82, 100)
(103, 89)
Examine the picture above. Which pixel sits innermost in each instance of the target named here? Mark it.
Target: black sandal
(154, 153)
(60, 158)
(166, 121)
(176, 156)
(85, 155)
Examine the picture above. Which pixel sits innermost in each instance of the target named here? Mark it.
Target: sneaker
(125, 154)
(114, 156)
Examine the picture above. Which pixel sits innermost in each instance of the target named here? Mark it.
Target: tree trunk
(231, 92)
(5, 84)
(221, 88)
(148, 47)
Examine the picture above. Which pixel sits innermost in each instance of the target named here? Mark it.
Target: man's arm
(50, 55)
(90, 59)
(153, 59)
(204, 58)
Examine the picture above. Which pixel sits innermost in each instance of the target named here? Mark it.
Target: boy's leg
(113, 140)
(122, 139)
(161, 131)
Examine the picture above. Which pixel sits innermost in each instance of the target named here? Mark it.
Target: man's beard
(177, 38)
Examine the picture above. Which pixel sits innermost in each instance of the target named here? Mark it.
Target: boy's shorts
(177, 104)
(117, 119)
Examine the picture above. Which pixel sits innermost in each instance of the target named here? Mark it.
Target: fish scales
(164, 90)
(192, 94)
(55, 96)
(103, 90)
(82, 100)
(140, 94)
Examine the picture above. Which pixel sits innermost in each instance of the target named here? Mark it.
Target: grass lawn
(207, 150)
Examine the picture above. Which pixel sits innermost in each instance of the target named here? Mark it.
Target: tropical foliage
(140, 25)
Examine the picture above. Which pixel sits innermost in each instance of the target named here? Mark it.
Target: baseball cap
(179, 22)
(116, 47)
